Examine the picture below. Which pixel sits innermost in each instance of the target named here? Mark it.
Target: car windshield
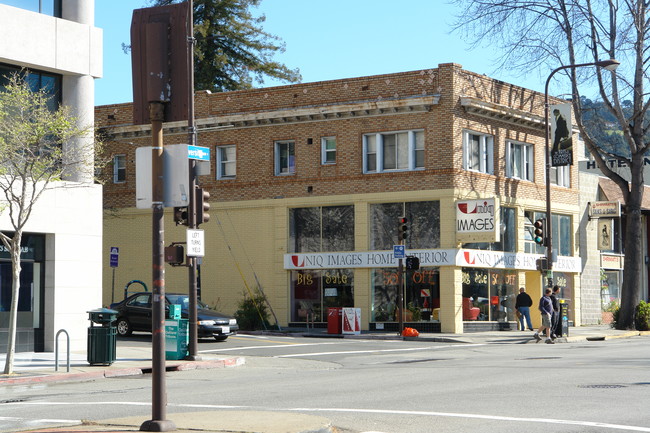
(184, 301)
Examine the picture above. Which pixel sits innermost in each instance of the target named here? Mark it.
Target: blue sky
(326, 40)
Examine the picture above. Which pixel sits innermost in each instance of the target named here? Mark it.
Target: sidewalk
(31, 368)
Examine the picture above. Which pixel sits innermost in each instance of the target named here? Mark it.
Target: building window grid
(328, 150)
(561, 176)
(478, 152)
(226, 162)
(119, 169)
(285, 158)
(520, 161)
(393, 151)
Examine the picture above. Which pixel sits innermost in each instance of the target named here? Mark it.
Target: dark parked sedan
(134, 314)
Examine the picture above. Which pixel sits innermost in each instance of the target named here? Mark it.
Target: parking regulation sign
(399, 251)
(115, 254)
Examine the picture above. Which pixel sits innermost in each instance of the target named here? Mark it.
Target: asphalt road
(382, 386)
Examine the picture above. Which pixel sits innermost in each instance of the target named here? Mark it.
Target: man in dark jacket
(522, 305)
(555, 317)
(546, 308)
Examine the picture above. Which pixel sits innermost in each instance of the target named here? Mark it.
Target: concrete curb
(107, 373)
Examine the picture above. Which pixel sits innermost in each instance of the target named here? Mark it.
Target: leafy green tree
(32, 139)
(232, 51)
(541, 36)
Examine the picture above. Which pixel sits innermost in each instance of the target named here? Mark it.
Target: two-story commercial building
(308, 183)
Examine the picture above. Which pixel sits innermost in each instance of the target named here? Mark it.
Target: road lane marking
(432, 414)
(285, 344)
(352, 352)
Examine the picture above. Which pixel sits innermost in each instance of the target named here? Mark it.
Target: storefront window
(489, 295)
(423, 220)
(317, 229)
(313, 292)
(609, 288)
(421, 295)
(31, 282)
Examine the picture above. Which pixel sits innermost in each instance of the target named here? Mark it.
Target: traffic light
(202, 206)
(412, 263)
(180, 215)
(174, 255)
(540, 231)
(402, 228)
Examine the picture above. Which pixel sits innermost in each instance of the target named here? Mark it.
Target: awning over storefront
(612, 192)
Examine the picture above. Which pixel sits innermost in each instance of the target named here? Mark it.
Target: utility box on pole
(159, 61)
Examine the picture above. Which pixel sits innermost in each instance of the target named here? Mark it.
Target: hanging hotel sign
(561, 139)
(477, 220)
(604, 209)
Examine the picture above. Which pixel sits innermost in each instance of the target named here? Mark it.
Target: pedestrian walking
(555, 317)
(522, 305)
(546, 309)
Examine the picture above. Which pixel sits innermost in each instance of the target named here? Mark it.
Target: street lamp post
(610, 65)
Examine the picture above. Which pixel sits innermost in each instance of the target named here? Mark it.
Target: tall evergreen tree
(232, 51)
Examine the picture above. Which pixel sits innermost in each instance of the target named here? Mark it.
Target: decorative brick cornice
(320, 113)
(502, 113)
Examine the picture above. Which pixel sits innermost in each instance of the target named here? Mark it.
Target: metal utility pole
(609, 65)
(191, 209)
(159, 390)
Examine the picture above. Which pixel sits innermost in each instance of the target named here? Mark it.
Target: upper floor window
(423, 222)
(37, 80)
(328, 150)
(561, 176)
(47, 7)
(226, 162)
(285, 157)
(478, 152)
(316, 229)
(393, 151)
(519, 157)
(119, 168)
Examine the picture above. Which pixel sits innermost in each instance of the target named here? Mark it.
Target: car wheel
(220, 337)
(124, 328)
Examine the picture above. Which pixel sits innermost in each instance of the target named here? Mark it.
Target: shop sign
(501, 260)
(604, 209)
(605, 230)
(451, 257)
(367, 259)
(611, 261)
(477, 220)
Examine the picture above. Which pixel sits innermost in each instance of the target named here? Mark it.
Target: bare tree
(543, 35)
(32, 138)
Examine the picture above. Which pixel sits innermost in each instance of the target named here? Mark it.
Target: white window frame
(223, 162)
(561, 176)
(485, 162)
(414, 145)
(119, 168)
(290, 169)
(328, 155)
(525, 157)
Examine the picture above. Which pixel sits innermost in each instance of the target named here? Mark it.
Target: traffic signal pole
(191, 209)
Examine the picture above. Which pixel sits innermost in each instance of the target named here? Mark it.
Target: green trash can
(102, 341)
